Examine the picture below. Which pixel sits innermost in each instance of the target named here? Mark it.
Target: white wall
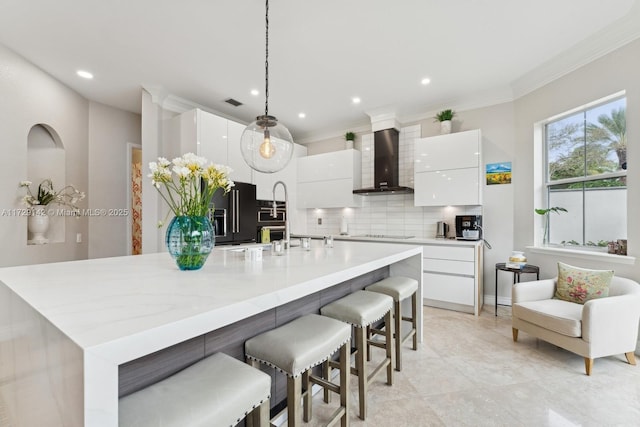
(616, 71)
(110, 130)
(29, 97)
(94, 137)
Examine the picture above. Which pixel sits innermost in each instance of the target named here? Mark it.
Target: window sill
(598, 256)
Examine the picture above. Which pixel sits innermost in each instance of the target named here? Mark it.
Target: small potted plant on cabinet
(445, 117)
(349, 137)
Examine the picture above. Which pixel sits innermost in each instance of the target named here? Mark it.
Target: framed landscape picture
(498, 173)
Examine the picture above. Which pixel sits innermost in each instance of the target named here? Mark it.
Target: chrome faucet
(286, 211)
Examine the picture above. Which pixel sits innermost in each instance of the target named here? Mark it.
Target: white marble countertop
(126, 307)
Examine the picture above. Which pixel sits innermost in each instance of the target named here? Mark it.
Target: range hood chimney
(386, 154)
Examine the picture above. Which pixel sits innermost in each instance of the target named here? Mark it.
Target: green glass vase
(190, 240)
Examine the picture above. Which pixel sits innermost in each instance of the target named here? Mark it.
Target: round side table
(501, 266)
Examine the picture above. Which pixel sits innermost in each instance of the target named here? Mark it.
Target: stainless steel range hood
(385, 166)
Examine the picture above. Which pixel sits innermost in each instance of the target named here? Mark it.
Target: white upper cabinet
(215, 138)
(204, 134)
(327, 180)
(241, 170)
(264, 181)
(452, 151)
(448, 169)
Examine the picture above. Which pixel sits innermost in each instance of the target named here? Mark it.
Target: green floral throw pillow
(579, 285)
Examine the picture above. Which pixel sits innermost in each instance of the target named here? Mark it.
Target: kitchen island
(66, 329)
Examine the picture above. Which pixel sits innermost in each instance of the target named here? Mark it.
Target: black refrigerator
(234, 214)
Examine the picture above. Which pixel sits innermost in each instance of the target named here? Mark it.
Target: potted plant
(38, 221)
(445, 117)
(349, 138)
(545, 213)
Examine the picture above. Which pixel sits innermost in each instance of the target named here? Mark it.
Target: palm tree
(613, 132)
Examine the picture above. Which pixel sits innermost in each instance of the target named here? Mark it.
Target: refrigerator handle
(237, 211)
(224, 223)
(233, 211)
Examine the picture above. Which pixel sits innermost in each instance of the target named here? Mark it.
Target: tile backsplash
(390, 214)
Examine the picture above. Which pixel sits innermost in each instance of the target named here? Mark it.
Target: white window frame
(541, 184)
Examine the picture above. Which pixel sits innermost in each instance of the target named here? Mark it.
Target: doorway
(134, 199)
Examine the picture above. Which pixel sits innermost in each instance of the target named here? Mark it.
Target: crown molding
(176, 104)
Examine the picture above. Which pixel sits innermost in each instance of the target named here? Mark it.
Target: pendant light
(266, 145)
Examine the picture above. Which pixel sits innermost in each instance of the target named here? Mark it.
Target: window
(586, 174)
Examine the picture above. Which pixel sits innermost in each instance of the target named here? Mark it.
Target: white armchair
(601, 327)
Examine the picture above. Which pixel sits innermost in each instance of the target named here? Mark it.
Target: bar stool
(218, 390)
(400, 288)
(294, 349)
(361, 309)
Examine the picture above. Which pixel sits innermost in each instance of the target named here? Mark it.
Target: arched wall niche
(46, 159)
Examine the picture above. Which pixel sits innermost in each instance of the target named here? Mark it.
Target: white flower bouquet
(67, 196)
(187, 183)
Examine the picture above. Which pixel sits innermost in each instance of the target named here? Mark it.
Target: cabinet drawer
(448, 252)
(448, 266)
(453, 289)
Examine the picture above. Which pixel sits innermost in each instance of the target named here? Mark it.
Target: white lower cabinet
(449, 288)
(452, 277)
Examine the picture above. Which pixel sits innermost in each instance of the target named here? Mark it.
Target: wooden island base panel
(230, 339)
(77, 335)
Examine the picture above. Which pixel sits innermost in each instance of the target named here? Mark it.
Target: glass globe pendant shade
(266, 145)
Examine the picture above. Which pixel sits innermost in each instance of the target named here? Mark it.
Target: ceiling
(321, 53)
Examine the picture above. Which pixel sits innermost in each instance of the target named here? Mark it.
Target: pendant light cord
(266, 61)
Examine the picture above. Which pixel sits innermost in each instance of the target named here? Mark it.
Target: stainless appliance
(266, 219)
(442, 228)
(386, 154)
(234, 214)
(469, 227)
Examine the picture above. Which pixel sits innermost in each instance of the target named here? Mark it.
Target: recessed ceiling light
(302, 115)
(355, 100)
(425, 81)
(84, 74)
(255, 92)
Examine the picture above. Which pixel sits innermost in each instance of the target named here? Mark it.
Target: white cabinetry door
(211, 135)
(448, 169)
(264, 181)
(450, 187)
(452, 151)
(241, 170)
(216, 139)
(451, 289)
(327, 180)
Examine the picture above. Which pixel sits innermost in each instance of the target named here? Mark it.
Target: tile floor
(469, 372)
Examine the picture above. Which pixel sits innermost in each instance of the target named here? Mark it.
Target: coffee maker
(469, 227)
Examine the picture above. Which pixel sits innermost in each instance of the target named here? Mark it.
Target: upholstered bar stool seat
(219, 390)
(294, 349)
(361, 309)
(400, 288)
